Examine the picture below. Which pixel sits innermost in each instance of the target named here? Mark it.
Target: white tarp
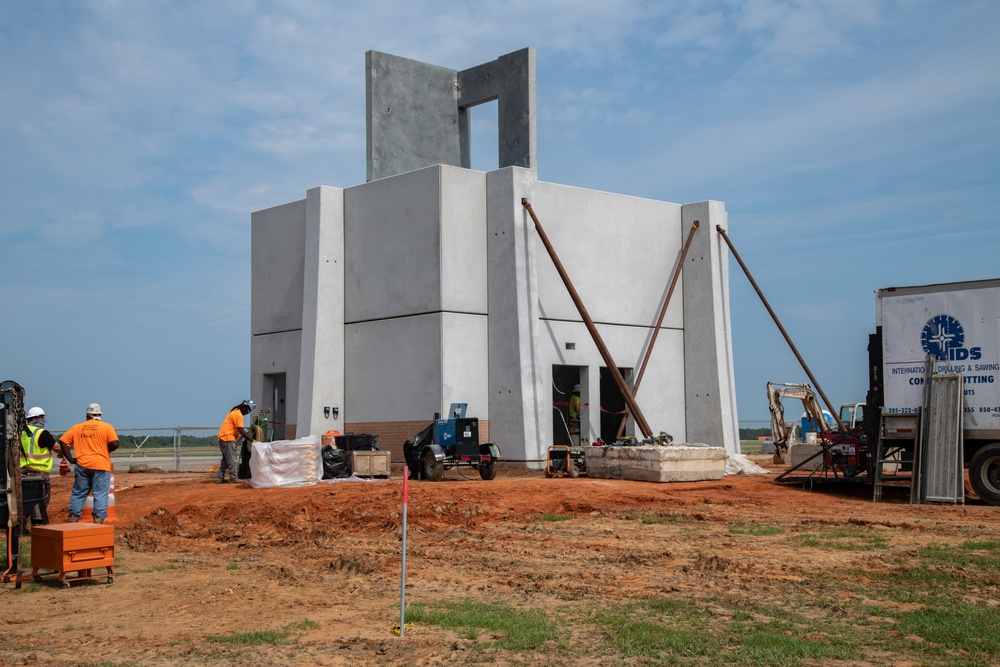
(286, 463)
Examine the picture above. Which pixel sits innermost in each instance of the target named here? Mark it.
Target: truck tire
(488, 470)
(984, 473)
(433, 469)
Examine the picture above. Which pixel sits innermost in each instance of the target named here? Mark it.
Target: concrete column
(517, 387)
(321, 378)
(709, 382)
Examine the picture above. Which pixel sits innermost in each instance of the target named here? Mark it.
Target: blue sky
(856, 144)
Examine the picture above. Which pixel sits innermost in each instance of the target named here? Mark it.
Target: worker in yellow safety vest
(574, 414)
(38, 447)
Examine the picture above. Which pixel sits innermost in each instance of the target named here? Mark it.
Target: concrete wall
(277, 259)
(710, 382)
(449, 296)
(277, 277)
(321, 379)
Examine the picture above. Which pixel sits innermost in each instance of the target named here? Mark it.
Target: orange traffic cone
(87, 514)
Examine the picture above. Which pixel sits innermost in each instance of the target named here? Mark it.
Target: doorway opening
(613, 407)
(274, 398)
(565, 429)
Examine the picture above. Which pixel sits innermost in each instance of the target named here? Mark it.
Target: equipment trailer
(450, 443)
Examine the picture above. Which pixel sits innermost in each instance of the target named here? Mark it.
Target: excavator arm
(780, 430)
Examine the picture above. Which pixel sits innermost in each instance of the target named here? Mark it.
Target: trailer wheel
(984, 473)
(433, 469)
(488, 470)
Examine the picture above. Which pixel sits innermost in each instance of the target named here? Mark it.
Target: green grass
(842, 540)
(983, 556)
(233, 566)
(555, 517)
(755, 529)
(662, 518)
(252, 638)
(159, 568)
(520, 629)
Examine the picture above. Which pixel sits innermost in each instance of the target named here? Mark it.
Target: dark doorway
(613, 405)
(564, 378)
(274, 398)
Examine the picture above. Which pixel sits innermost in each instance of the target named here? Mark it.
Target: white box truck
(958, 326)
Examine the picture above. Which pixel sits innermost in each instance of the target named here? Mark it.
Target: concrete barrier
(649, 463)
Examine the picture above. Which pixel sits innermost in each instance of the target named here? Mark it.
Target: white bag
(285, 463)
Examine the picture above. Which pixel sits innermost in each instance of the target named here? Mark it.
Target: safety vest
(32, 454)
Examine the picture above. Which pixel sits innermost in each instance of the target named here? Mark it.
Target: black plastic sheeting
(336, 463)
(358, 442)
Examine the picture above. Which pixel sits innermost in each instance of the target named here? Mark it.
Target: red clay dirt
(196, 561)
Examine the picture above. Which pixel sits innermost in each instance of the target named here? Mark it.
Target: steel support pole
(663, 313)
(591, 327)
(788, 339)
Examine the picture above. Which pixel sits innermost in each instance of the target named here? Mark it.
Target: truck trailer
(956, 326)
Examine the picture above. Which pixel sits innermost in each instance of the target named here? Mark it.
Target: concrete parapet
(674, 463)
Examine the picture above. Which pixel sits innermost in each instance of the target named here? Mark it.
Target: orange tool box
(73, 547)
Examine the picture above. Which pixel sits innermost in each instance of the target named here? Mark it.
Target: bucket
(330, 438)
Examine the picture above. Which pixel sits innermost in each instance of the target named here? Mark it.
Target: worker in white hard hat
(92, 441)
(37, 447)
(231, 429)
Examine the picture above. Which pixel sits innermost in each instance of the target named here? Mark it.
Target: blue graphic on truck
(943, 337)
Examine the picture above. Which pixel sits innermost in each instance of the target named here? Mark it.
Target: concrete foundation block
(674, 463)
(799, 453)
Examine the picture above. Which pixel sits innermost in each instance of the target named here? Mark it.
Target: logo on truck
(943, 338)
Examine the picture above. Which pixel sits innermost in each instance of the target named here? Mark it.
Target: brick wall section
(392, 435)
(290, 431)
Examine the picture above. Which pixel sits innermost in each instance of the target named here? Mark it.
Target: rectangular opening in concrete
(565, 429)
(613, 406)
(484, 136)
(274, 398)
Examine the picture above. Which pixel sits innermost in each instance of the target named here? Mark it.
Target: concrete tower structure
(378, 305)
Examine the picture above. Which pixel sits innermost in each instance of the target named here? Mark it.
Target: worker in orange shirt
(231, 429)
(92, 441)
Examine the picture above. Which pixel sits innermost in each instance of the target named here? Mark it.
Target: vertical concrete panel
(277, 236)
(465, 369)
(510, 79)
(275, 353)
(710, 386)
(321, 379)
(463, 241)
(413, 116)
(619, 252)
(393, 238)
(393, 369)
(518, 396)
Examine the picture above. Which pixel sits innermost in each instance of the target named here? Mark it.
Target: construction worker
(574, 413)
(93, 441)
(37, 446)
(231, 429)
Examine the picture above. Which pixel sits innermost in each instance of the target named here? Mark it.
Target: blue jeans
(97, 482)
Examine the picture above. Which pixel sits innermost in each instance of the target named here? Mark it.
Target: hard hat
(576, 387)
(250, 404)
(93, 409)
(34, 412)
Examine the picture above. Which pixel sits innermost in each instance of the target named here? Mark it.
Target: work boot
(73, 518)
(98, 519)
